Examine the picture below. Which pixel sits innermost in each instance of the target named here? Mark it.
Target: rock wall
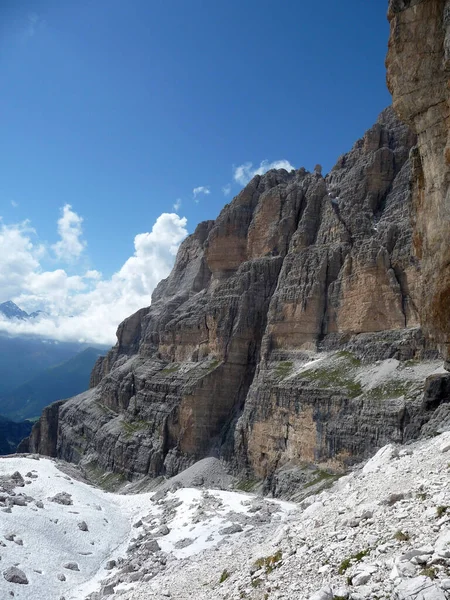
(418, 68)
(297, 266)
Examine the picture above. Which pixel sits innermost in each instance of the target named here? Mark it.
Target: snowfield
(51, 536)
(382, 532)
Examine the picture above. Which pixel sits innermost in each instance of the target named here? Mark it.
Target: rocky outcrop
(298, 269)
(418, 68)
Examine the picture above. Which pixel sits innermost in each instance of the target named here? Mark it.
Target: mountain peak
(12, 311)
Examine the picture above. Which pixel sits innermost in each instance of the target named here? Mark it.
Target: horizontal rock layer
(296, 264)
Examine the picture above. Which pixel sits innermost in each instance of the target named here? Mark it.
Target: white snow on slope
(51, 536)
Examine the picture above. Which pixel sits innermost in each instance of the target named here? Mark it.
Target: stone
(71, 566)
(234, 528)
(418, 588)
(62, 498)
(325, 593)
(82, 526)
(15, 575)
(360, 578)
(61, 577)
(442, 546)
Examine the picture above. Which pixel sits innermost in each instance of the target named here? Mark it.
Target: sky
(125, 124)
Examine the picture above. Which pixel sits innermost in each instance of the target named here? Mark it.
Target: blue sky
(122, 109)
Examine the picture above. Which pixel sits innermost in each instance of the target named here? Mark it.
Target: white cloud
(70, 246)
(14, 204)
(226, 189)
(86, 306)
(245, 172)
(202, 189)
(177, 205)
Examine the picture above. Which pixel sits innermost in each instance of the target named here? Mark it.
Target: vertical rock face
(296, 264)
(418, 68)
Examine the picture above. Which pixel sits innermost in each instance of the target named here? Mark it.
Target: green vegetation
(170, 369)
(283, 369)
(109, 482)
(213, 365)
(256, 582)
(354, 558)
(321, 475)
(400, 536)
(224, 576)
(429, 572)
(335, 377)
(132, 427)
(422, 496)
(269, 563)
(349, 357)
(441, 510)
(246, 485)
(390, 389)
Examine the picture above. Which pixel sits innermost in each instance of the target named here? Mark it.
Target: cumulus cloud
(14, 204)
(177, 205)
(83, 307)
(202, 189)
(245, 172)
(70, 246)
(226, 189)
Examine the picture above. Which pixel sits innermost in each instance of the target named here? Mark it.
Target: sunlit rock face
(418, 68)
(298, 264)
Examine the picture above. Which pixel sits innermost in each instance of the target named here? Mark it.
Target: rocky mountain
(255, 348)
(60, 381)
(288, 333)
(12, 311)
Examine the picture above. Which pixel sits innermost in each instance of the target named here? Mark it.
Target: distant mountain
(58, 382)
(23, 357)
(12, 311)
(12, 433)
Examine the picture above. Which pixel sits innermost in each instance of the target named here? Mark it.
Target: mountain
(303, 326)
(23, 357)
(61, 381)
(11, 433)
(12, 311)
(287, 334)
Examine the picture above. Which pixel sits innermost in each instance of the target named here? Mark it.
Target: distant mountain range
(12, 433)
(55, 383)
(12, 311)
(34, 372)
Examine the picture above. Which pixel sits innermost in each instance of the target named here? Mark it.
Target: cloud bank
(84, 306)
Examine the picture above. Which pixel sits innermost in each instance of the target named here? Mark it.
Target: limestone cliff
(256, 345)
(418, 69)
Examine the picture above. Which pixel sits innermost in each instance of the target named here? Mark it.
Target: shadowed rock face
(295, 263)
(418, 69)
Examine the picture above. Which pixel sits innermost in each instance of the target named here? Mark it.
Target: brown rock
(418, 67)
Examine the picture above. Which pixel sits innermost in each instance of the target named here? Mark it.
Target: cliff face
(418, 68)
(297, 268)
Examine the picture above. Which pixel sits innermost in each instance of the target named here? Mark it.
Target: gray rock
(418, 588)
(184, 543)
(72, 566)
(62, 498)
(61, 577)
(235, 528)
(15, 575)
(82, 526)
